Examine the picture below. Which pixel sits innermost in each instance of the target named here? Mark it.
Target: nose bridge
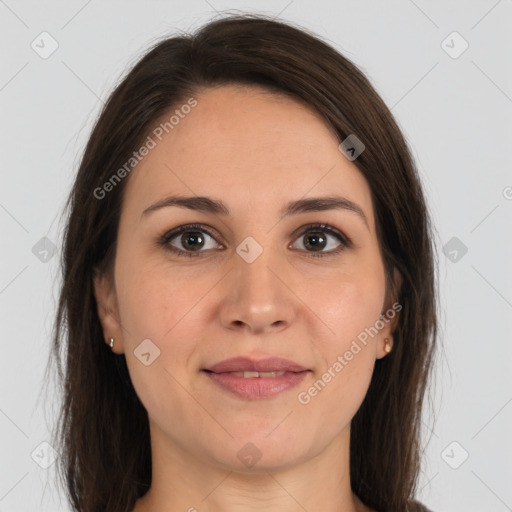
(258, 298)
(253, 274)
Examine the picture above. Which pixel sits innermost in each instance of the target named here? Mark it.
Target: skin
(255, 151)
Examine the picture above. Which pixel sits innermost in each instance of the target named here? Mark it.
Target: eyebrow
(209, 205)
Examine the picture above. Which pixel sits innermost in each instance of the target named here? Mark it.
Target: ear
(391, 314)
(106, 300)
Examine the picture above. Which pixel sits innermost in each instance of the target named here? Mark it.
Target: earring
(387, 347)
(111, 343)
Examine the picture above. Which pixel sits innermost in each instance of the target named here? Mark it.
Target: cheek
(163, 305)
(350, 305)
(153, 298)
(347, 352)
(156, 304)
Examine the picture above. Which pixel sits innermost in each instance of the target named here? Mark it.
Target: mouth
(254, 385)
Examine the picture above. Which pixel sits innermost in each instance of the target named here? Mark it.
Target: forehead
(249, 147)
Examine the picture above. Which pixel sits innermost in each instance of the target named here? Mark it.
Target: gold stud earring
(387, 347)
(111, 343)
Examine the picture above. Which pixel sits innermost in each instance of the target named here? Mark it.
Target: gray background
(455, 111)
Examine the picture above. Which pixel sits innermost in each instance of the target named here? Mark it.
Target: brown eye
(192, 240)
(315, 240)
(189, 240)
(324, 240)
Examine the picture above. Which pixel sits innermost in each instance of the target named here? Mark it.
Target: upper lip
(270, 364)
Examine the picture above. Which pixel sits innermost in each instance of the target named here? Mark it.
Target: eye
(314, 238)
(191, 239)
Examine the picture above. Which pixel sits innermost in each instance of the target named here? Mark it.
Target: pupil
(318, 241)
(189, 238)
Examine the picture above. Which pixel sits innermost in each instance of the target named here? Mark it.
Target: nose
(257, 297)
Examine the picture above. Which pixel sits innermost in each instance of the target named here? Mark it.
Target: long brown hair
(103, 429)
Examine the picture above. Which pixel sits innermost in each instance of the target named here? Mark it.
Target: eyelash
(325, 228)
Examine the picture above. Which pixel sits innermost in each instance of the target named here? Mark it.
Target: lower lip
(257, 387)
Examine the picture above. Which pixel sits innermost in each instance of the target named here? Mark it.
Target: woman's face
(257, 282)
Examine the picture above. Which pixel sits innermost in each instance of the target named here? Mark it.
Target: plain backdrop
(444, 69)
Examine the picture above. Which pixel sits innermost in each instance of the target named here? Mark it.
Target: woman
(248, 300)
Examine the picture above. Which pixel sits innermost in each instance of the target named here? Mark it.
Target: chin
(256, 451)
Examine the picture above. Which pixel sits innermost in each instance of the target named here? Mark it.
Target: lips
(248, 379)
(246, 364)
